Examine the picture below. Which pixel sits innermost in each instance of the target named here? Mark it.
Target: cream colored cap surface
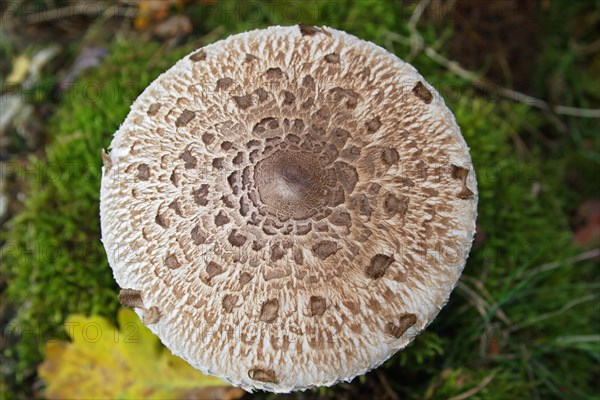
(288, 207)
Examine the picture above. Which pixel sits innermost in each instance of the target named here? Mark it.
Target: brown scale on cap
(405, 321)
(213, 269)
(172, 262)
(274, 73)
(317, 305)
(462, 173)
(198, 236)
(189, 160)
(229, 302)
(378, 265)
(303, 195)
(151, 315)
(269, 310)
(162, 220)
(185, 118)
(143, 172)
(224, 83)
(325, 249)
(153, 109)
(422, 92)
(264, 375)
(308, 30)
(106, 160)
(198, 56)
(208, 138)
(250, 57)
(131, 298)
(332, 58)
(200, 195)
(373, 125)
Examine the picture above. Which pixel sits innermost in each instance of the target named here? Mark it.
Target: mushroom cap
(288, 207)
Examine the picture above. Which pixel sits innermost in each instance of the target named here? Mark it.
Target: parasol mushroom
(288, 207)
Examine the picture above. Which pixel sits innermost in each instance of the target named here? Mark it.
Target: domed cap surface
(288, 207)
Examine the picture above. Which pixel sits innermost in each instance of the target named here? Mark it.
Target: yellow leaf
(19, 70)
(103, 362)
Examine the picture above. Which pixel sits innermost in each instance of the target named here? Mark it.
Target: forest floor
(523, 79)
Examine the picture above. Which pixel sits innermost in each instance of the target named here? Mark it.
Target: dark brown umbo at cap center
(293, 184)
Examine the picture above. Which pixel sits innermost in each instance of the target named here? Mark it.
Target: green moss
(525, 228)
(53, 254)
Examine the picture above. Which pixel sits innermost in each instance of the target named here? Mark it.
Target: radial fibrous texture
(288, 207)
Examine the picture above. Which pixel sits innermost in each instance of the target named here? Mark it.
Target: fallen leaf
(19, 70)
(103, 362)
(151, 11)
(175, 25)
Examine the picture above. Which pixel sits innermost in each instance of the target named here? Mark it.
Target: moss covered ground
(524, 321)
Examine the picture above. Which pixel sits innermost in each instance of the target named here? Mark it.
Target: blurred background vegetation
(523, 79)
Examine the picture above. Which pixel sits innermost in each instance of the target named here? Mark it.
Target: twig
(475, 300)
(472, 392)
(416, 40)
(80, 8)
(488, 86)
(514, 95)
(561, 310)
(588, 255)
(481, 287)
(480, 303)
(417, 14)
